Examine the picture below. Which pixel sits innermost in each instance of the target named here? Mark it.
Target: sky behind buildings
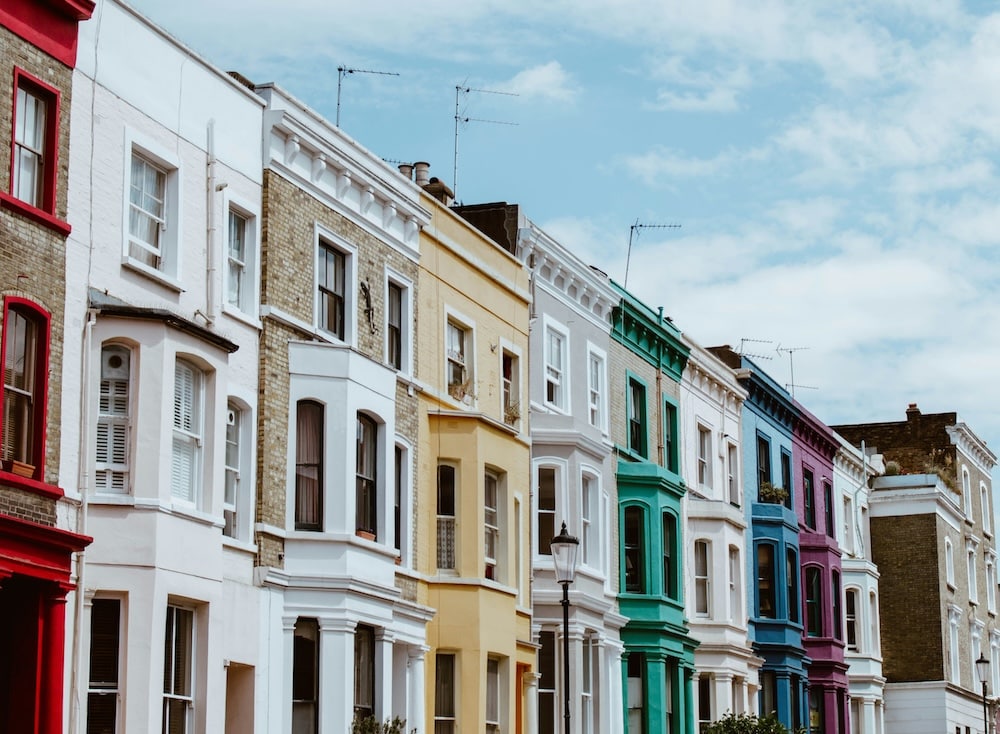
(833, 164)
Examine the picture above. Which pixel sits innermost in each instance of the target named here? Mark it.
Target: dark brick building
(932, 538)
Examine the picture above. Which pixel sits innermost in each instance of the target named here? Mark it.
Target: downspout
(209, 313)
(76, 700)
(859, 531)
(659, 396)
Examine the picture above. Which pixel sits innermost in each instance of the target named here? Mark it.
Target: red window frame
(40, 396)
(45, 213)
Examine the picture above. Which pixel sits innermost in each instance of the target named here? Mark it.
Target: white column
(612, 717)
(575, 677)
(287, 653)
(529, 681)
(383, 674)
(867, 716)
(723, 695)
(336, 674)
(415, 716)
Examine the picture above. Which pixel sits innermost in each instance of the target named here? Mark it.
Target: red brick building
(37, 53)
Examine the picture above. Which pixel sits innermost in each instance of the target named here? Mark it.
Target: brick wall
(906, 551)
(33, 256)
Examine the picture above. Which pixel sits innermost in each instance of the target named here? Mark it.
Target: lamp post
(983, 671)
(564, 549)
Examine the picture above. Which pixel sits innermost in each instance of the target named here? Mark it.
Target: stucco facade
(160, 445)
(711, 447)
(473, 516)
(647, 361)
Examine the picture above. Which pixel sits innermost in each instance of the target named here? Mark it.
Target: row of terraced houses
(286, 434)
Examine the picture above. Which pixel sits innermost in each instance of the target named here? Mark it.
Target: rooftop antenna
(461, 89)
(790, 351)
(632, 230)
(343, 70)
(747, 340)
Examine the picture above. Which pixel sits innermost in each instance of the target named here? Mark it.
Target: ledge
(35, 214)
(30, 485)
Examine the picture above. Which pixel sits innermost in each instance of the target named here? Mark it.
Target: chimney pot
(422, 169)
(407, 170)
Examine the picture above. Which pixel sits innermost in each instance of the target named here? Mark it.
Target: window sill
(152, 273)
(238, 545)
(30, 485)
(241, 316)
(35, 214)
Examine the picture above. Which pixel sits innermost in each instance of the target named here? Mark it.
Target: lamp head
(983, 668)
(564, 551)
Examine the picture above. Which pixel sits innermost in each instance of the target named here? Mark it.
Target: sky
(833, 164)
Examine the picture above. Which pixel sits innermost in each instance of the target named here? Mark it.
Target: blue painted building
(775, 606)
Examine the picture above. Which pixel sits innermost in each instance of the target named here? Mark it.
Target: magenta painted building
(813, 448)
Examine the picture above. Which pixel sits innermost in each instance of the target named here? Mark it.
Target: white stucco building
(161, 346)
(852, 472)
(709, 448)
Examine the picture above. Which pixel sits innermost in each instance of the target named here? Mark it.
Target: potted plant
(772, 494)
(371, 725)
(511, 413)
(462, 391)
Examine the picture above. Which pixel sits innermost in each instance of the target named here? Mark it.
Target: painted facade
(647, 362)
(342, 632)
(711, 460)
(162, 155)
(774, 558)
(473, 512)
(853, 470)
(41, 530)
(821, 580)
(932, 538)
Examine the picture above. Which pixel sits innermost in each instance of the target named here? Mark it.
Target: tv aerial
(790, 385)
(343, 71)
(634, 230)
(461, 118)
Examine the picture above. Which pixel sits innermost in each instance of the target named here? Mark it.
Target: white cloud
(547, 81)
(661, 164)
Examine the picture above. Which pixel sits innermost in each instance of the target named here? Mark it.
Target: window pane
(546, 509)
(309, 466)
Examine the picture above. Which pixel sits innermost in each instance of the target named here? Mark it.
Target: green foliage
(771, 493)
(371, 725)
(749, 724)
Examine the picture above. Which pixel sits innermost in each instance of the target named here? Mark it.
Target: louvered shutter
(186, 444)
(111, 474)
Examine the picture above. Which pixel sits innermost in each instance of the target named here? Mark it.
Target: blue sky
(832, 164)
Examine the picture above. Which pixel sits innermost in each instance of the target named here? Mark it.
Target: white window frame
(991, 586)
(558, 503)
(450, 547)
(113, 438)
(109, 688)
(405, 286)
(34, 150)
(511, 398)
(704, 456)
(970, 562)
(328, 238)
(588, 658)
(966, 492)
(171, 231)
(949, 563)
(875, 644)
(995, 658)
(186, 699)
(736, 612)
(590, 521)
(192, 435)
(247, 306)
(984, 500)
(556, 375)
(404, 482)
(853, 619)
(465, 391)
(975, 647)
(237, 514)
(733, 474)
(597, 395)
(446, 721)
(494, 681)
(493, 524)
(702, 578)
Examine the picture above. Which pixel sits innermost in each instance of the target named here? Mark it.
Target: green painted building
(658, 662)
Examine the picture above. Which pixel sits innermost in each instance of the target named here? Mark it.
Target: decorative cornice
(324, 161)
(649, 335)
(814, 432)
(565, 275)
(972, 446)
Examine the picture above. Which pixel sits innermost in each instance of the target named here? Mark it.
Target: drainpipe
(859, 532)
(83, 481)
(209, 313)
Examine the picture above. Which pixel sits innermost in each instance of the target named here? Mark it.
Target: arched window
(366, 484)
(309, 465)
(634, 555)
(949, 563)
(114, 417)
(24, 348)
(852, 603)
(188, 433)
(814, 601)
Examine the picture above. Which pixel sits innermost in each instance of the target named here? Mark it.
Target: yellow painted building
(473, 485)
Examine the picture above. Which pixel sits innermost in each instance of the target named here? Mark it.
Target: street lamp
(983, 671)
(564, 549)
